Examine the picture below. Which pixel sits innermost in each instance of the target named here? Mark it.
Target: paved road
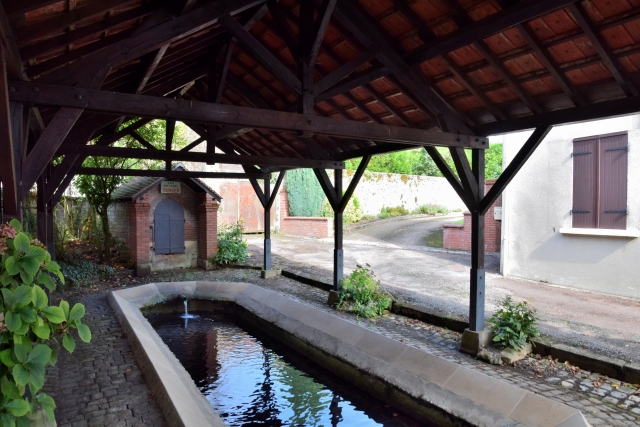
(402, 231)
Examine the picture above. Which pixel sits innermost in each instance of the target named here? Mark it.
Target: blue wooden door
(169, 227)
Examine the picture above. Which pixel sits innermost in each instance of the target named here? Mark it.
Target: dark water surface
(250, 381)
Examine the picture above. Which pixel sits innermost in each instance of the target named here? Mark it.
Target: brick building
(166, 223)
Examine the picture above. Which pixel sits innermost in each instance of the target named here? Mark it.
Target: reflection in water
(248, 383)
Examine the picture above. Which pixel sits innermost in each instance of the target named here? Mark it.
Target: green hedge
(304, 193)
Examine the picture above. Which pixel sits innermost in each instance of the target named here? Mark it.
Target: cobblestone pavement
(99, 385)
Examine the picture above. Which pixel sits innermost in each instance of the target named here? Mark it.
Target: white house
(571, 215)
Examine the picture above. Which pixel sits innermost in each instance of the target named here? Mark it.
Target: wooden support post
(41, 210)
(51, 247)
(477, 292)
(8, 173)
(338, 255)
(267, 224)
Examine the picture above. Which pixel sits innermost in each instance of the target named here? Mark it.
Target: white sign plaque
(171, 187)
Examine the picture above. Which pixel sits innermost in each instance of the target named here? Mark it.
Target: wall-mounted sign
(171, 187)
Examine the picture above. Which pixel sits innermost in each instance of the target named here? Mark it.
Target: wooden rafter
(146, 41)
(257, 50)
(369, 34)
(603, 49)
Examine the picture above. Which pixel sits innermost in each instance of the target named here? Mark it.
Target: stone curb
(613, 368)
(427, 385)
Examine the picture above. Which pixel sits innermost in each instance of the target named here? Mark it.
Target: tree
(99, 189)
(419, 162)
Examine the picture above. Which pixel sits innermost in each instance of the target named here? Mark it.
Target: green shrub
(79, 272)
(393, 211)
(432, 210)
(352, 213)
(304, 193)
(360, 294)
(513, 325)
(232, 248)
(30, 329)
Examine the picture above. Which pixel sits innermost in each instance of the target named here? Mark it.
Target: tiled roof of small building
(141, 184)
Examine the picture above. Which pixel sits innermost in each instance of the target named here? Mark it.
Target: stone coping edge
(613, 368)
(178, 398)
(467, 396)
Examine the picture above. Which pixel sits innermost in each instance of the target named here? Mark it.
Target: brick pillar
(140, 235)
(207, 230)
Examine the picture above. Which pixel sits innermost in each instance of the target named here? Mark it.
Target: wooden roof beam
(343, 71)
(200, 112)
(545, 57)
(182, 156)
(466, 35)
(320, 27)
(603, 49)
(261, 53)
(511, 80)
(153, 38)
(168, 174)
(583, 113)
(368, 33)
(26, 35)
(387, 105)
(71, 37)
(427, 36)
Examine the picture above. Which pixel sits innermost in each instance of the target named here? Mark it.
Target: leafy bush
(232, 248)
(432, 210)
(304, 193)
(29, 326)
(513, 325)
(360, 294)
(392, 212)
(78, 272)
(352, 213)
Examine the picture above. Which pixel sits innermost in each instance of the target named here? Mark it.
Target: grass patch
(435, 238)
(458, 222)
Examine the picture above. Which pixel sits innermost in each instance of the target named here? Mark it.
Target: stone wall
(377, 190)
(119, 220)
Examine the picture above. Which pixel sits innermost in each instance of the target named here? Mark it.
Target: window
(600, 181)
(169, 227)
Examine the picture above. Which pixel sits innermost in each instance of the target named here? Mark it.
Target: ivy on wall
(304, 193)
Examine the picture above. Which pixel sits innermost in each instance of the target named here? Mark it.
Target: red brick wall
(139, 232)
(201, 225)
(207, 230)
(459, 236)
(300, 225)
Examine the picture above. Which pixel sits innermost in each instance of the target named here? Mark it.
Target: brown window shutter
(613, 182)
(585, 168)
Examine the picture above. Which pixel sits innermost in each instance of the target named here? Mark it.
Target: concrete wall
(537, 203)
(377, 190)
